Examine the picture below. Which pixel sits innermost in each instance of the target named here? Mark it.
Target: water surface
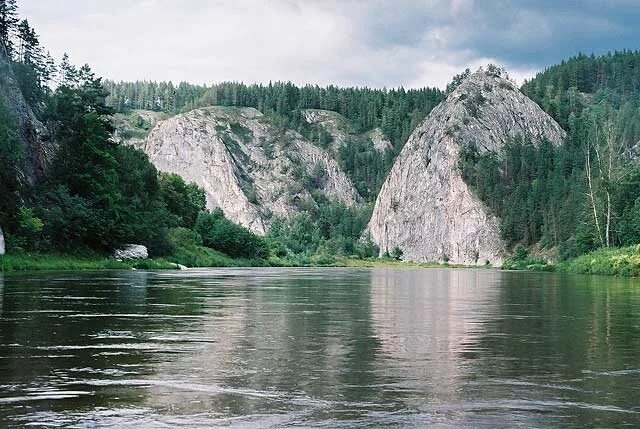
(319, 348)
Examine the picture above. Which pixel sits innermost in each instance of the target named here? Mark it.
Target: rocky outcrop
(247, 166)
(332, 122)
(39, 149)
(342, 131)
(131, 251)
(424, 207)
(2, 249)
(381, 143)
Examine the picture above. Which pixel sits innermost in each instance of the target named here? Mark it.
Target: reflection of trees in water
(58, 330)
(332, 343)
(427, 322)
(565, 338)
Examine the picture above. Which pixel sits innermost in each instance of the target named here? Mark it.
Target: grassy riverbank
(622, 261)
(614, 262)
(58, 262)
(192, 257)
(65, 262)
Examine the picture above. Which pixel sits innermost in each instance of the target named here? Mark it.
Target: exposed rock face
(380, 142)
(39, 149)
(247, 166)
(131, 251)
(424, 207)
(2, 250)
(332, 122)
(342, 131)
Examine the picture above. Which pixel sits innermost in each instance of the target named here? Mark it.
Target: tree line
(395, 111)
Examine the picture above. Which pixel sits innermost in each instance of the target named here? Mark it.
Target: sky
(375, 43)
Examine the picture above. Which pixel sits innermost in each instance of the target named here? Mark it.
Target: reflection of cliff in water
(271, 339)
(428, 323)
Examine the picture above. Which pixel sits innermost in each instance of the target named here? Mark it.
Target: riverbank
(66, 262)
(622, 261)
(203, 258)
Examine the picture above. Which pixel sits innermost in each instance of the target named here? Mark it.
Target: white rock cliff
(247, 166)
(424, 207)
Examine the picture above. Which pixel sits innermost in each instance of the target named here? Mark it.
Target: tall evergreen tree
(8, 22)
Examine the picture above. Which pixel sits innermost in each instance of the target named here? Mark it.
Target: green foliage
(623, 261)
(327, 228)
(520, 253)
(396, 111)
(11, 158)
(366, 248)
(97, 194)
(538, 192)
(189, 251)
(184, 201)
(366, 166)
(221, 234)
(8, 22)
(630, 224)
(397, 253)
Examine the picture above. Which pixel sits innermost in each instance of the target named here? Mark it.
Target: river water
(271, 348)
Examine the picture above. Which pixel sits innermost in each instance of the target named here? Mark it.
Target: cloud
(376, 43)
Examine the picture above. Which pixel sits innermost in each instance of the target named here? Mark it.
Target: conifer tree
(8, 22)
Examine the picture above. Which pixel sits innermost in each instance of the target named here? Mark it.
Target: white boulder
(1, 243)
(131, 251)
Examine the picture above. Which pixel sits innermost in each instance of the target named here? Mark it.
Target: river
(271, 348)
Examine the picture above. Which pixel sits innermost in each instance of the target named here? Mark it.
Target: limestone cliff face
(247, 166)
(39, 149)
(424, 207)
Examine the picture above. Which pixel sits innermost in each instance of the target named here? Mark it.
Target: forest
(584, 194)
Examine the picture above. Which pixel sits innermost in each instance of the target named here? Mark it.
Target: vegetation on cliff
(584, 194)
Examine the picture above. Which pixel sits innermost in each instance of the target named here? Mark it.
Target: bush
(520, 253)
(397, 253)
(366, 248)
(221, 234)
(184, 201)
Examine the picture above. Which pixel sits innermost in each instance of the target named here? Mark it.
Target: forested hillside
(585, 193)
(350, 118)
(94, 194)
(395, 111)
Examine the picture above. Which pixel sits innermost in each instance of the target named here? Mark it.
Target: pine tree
(8, 22)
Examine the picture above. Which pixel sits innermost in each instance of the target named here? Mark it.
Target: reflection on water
(319, 347)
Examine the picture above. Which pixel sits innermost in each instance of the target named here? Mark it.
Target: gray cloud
(345, 42)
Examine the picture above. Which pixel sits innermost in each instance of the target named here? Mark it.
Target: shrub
(520, 253)
(397, 253)
(221, 234)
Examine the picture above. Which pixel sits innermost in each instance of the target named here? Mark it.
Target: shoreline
(24, 262)
(620, 262)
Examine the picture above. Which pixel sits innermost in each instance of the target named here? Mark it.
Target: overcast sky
(389, 43)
